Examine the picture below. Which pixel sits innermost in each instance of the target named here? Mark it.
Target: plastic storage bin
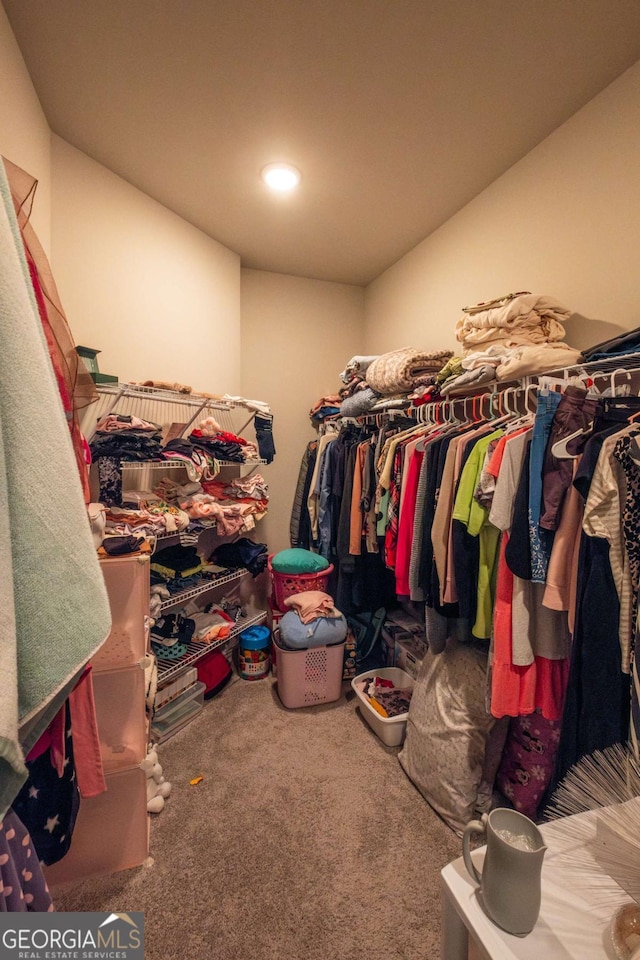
(119, 697)
(391, 730)
(111, 832)
(253, 652)
(308, 677)
(288, 584)
(178, 713)
(127, 583)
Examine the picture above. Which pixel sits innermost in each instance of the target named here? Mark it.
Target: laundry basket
(308, 677)
(288, 584)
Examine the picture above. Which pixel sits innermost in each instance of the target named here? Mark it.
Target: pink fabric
(512, 687)
(52, 740)
(312, 604)
(405, 526)
(527, 762)
(561, 572)
(86, 742)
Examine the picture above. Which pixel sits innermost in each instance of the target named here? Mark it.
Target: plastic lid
(254, 638)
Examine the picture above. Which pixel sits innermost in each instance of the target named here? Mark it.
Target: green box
(90, 358)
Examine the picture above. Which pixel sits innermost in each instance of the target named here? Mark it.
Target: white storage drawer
(127, 582)
(111, 832)
(119, 696)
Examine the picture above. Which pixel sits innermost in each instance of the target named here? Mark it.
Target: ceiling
(397, 112)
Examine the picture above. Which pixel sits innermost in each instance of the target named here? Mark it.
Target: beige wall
(24, 132)
(159, 298)
(296, 337)
(564, 221)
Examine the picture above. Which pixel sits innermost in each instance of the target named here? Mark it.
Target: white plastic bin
(391, 730)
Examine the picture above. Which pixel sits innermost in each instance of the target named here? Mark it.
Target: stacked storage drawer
(177, 713)
(111, 831)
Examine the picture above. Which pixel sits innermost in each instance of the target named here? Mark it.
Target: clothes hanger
(559, 449)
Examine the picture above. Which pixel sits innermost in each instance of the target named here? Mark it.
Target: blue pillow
(297, 635)
(297, 560)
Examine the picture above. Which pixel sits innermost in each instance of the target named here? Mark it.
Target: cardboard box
(399, 623)
(408, 656)
(349, 668)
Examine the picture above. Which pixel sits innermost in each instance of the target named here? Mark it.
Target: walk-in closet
(319, 480)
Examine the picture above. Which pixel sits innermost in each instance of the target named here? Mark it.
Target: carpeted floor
(304, 841)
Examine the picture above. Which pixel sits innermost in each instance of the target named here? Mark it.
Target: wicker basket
(288, 584)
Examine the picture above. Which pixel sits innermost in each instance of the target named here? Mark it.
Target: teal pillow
(297, 560)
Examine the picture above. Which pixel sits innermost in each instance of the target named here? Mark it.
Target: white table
(573, 919)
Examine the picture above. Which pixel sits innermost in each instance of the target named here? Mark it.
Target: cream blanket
(526, 319)
(396, 372)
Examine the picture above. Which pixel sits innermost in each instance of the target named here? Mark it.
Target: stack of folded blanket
(521, 334)
(386, 381)
(311, 621)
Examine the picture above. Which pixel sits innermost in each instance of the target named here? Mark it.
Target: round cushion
(296, 560)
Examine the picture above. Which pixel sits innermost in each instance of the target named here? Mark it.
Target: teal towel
(53, 604)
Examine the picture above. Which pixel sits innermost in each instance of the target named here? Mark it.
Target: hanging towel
(55, 612)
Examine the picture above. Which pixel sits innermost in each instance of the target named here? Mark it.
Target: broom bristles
(606, 783)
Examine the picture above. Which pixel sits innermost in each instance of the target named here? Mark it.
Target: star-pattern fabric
(48, 804)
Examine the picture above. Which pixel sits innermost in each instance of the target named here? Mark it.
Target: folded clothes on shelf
(242, 553)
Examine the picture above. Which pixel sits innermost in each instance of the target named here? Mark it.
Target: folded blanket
(628, 342)
(359, 403)
(452, 368)
(525, 319)
(493, 355)
(357, 367)
(397, 371)
(530, 360)
(312, 604)
(469, 381)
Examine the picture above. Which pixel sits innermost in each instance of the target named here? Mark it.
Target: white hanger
(613, 379)
(559, 449)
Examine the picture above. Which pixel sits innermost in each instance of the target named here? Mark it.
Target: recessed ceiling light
(281, 176)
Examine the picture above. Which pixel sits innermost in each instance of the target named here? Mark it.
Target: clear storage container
(178, 713)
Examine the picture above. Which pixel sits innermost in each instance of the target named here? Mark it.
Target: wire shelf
(204, 587)
(181, 465)
(133, 390)
(152, 465)
(168, 669)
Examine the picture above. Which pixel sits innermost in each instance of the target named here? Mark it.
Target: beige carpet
(304, 841)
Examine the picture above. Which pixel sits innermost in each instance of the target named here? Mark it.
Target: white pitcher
(510, 883)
